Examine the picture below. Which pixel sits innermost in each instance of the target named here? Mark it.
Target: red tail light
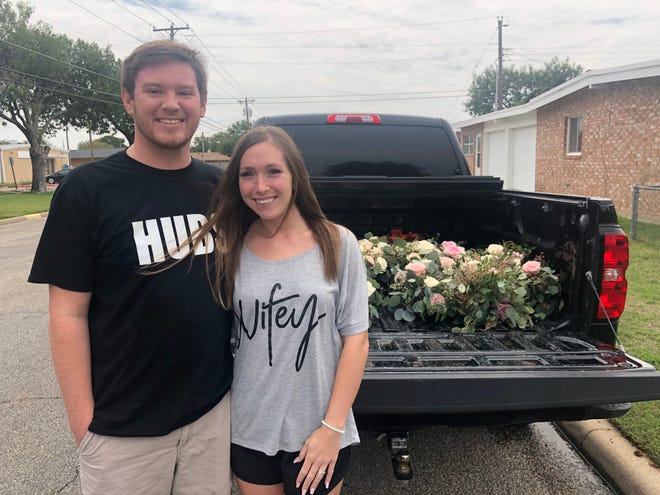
(353, 118)
(614, 286)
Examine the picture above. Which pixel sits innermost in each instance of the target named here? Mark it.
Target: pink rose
(531, 267)
(437, 299)
(501, 310)
(369, 259)
(447, 262)
(452, 249)
(416, 267)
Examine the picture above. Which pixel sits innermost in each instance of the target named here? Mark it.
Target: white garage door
(495, 159)
(524, 158)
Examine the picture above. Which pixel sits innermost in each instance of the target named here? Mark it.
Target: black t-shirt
(159, 343)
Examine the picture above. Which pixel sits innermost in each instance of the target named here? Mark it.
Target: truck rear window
(375, 150)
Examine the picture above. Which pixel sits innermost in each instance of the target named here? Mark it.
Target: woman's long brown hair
(231, 218)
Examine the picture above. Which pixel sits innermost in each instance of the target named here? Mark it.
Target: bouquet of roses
(475, 288)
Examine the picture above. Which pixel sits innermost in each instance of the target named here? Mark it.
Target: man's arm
(69, 344)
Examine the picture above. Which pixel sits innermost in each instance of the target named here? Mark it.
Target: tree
(97, 105)
(518, 85)
(112, 141)
(223, 141)
(48, 81)
(31, 95)
(103, 142)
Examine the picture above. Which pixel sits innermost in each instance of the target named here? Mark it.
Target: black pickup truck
(378, 173)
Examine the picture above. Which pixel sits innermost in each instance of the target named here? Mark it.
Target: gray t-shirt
(289, 321)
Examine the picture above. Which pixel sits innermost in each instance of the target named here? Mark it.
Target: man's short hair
(162, 52)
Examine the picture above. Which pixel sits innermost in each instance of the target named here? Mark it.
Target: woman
(297, 286)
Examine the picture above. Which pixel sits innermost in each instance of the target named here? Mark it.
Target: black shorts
(260, 469)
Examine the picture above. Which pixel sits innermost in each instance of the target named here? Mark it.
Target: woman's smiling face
(265, 182)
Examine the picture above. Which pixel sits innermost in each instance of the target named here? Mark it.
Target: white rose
(471, 266)
(425, 247)
(370, 288)
(431, 282)
(382, 262)
(365, 245)
(495, 249)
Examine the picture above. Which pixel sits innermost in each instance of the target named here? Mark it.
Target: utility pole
(247, 111)
(498, 83)
(172, 30)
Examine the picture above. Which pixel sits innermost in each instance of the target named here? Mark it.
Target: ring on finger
(321, 472)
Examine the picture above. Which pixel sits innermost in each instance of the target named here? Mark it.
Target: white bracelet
(336, 430)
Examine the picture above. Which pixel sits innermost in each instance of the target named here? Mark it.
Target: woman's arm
(321, 448)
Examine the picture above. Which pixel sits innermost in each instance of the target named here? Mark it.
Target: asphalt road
(37, 454)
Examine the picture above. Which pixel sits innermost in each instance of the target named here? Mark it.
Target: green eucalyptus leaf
(407, 315)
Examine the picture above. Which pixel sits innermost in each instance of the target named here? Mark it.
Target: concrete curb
(31, 216)
(627, 469)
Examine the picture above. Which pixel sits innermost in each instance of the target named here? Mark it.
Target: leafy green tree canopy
(223, 141)
(97, 104)
(48, 81)
(519, 85)
(33, 93)
(103, 142)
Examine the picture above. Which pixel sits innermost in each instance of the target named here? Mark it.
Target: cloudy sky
(412, 57)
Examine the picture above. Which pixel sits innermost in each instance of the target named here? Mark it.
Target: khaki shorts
(191, 460)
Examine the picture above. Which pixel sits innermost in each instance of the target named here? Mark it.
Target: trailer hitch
(401, 459)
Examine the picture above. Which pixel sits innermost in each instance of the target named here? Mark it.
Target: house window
(477, 160)
(574, 135)
(468, 144)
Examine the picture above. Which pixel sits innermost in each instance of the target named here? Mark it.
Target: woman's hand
(319, 454)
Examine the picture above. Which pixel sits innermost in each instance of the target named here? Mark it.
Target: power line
(147, 4)
(461, 91)
(33, 76)
(172, 29)
(132, 13)
(59, 92)
(474, 69)
(439, 97)
(221, 65)
(360, 46)
(59, 60)
(328, 62)
(170, 11)
(362, 28)
(106, 21)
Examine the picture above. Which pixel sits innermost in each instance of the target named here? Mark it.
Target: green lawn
(14, 204)
(639, 333)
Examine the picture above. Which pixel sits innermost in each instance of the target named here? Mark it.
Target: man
(140, 348)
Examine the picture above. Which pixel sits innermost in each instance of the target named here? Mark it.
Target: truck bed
(421, 373)
(420, 346)
(378, 175)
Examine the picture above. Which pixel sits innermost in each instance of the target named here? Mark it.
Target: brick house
(595, 135)
(78, 157)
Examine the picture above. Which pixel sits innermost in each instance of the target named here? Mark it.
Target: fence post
(635, 212)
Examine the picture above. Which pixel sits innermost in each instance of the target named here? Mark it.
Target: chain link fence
(645, 206)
